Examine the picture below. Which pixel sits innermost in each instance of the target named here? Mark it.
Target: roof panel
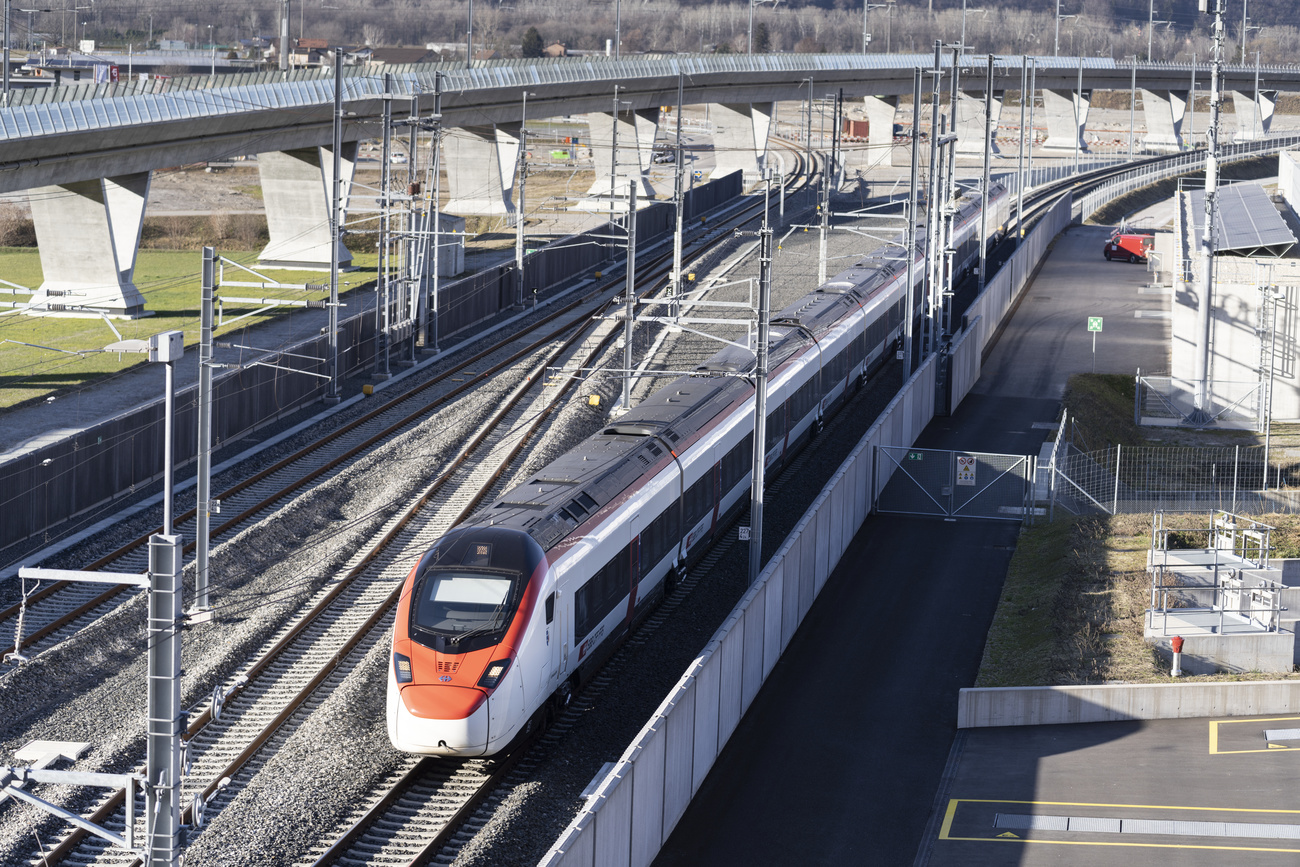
(1248, 222)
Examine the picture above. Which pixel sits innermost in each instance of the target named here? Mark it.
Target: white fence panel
(753, 669)
(612, 818)
(732, 650)
(772, 645)
(680, 738)
(648, 793)
(576, 847)
(707, 675)
(790, 580)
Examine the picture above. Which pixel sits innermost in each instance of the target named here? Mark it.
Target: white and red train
(509, 611)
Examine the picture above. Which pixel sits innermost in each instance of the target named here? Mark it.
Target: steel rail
(115, 801)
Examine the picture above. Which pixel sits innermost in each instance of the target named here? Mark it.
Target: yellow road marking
(945, 832)
(1214, 734)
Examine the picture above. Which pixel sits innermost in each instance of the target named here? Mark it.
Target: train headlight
(494, 673)
(402, 668)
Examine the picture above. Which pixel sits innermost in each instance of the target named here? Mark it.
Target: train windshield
(457, 608)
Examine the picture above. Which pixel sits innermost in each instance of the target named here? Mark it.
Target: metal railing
(1191, 161)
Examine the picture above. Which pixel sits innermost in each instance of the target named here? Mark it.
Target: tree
(532, 43)
(762, 40)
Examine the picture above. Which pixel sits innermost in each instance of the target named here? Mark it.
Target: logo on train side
(446, 678)
(591, 641)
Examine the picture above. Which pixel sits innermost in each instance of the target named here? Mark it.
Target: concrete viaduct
(86, 152)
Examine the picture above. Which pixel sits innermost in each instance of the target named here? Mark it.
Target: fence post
(1236, 460)
(1119, 453)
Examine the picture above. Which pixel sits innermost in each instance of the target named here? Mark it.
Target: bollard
(1177, 644)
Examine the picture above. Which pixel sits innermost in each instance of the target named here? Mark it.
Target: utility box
(168, 346)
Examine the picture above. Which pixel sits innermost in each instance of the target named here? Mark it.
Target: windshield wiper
(486, 626)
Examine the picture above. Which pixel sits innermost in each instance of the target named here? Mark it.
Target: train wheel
(670, 581)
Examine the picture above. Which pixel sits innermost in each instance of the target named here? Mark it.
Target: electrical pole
(613, 161)
(469, 36)
(679, 205)
(1020, 155)
(808, 158)
(1205, 284)
(984, 184)
(336, 230)
(519, 221)
(383, 321)
(629, 293)
(825, 221)
(910, 323)
(1132, 108)
(284, 35)
(1079, 119)
(8, 3)
(203, 502)
(436, 170)
(932, 210)
(760, 402)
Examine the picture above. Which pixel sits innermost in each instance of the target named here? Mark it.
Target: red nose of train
(445, 708)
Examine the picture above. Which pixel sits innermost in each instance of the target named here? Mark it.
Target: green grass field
(45, 355)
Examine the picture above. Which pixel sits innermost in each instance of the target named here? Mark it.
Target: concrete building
(1255, 305)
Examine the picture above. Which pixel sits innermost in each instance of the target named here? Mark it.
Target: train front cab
(469, 642)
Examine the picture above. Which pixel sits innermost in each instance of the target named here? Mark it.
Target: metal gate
(954, 484)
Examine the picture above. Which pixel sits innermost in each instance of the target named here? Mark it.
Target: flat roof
(1248, 222)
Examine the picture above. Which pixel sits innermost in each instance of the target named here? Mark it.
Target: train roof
(561, 497)
(556, 500)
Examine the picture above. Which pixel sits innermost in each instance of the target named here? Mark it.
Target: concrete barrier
(1114, 702)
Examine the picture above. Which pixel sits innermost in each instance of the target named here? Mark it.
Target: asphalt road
(839, 759)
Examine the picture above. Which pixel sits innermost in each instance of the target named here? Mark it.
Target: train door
(560, 634)
(551, 659)
(633, 570)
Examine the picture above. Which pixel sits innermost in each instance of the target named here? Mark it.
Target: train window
(550, 607)
(452, 603)
(699, 500)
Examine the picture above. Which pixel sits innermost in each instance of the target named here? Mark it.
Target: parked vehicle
(1130, 246)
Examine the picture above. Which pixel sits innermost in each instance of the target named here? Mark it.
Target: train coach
(510, 611)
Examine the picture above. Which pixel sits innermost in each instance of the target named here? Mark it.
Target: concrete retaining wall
(1055, 705)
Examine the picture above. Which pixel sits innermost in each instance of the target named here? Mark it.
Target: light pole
(1152, 21)
(1056, 40)
(963, 21)
(519, 223)
(866, 37)
(469, 36)
(749, 46)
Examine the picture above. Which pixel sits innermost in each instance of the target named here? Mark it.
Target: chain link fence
(1168, 400)
(1143, 479)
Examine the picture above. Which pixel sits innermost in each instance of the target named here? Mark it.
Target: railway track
(230, 740)
(54, 613)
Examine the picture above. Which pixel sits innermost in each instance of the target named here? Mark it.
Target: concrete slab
(1121, 793)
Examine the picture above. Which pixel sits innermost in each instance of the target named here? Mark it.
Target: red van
(1129, 245)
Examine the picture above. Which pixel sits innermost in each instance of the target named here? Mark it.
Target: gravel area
(325, 765)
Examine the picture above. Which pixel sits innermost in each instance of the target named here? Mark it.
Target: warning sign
(965, 470)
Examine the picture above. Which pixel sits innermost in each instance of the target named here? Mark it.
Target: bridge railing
(1182, 164)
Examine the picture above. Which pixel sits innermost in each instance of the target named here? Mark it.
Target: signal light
(494, 673)
(402, 668)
